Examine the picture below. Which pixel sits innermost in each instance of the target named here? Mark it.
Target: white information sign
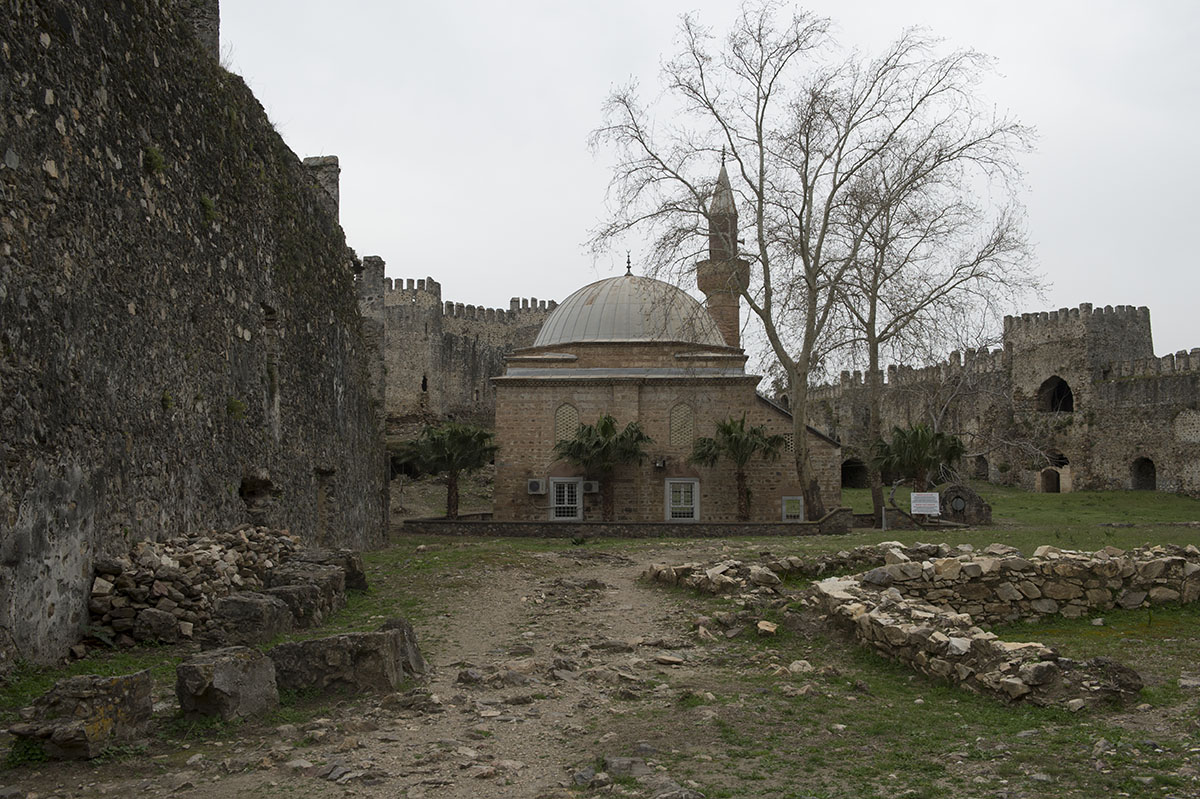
(925, 503)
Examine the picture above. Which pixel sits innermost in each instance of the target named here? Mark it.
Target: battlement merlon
(1085, 311)
(370, 281)
(1182, 362)
(204, 16)
(326, 171)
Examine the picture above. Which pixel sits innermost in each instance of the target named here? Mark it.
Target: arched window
(1055, 396)
(682, 432)
(1143, 475)
(566, 422)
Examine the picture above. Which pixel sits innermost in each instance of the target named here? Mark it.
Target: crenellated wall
(440, 356)
(1130, 407)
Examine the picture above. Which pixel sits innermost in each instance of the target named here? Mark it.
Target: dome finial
(628, 264)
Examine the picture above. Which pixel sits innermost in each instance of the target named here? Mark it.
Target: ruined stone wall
(440, 356)
(180, 343)
(1127, 403)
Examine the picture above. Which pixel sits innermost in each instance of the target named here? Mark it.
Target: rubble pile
(174, 590)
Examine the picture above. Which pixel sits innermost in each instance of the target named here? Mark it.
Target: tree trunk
(810, 488)
(606, 497)
(873, 432)
(743, 495)
(452, 495)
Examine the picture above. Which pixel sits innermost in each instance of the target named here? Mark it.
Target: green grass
(27, 681)
(1072, 521)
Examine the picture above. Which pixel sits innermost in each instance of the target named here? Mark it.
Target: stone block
(1131, 599)
(329, 580)
(410, 657)
(761, 576)
(1160, 594)
(1044, 605)
(353, 662)
(156, 625)
(351, 563)
(1061, 590)
(249, 617)
(81, 716)
(304, 601)
(1039, 672)
(1009, 592)
(235, 682)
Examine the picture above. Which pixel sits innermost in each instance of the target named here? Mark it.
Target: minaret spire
(723, 276)
(722, 219)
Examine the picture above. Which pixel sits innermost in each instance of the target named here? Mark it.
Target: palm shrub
(918, 453)
(599, 449)
(452, 449)
(737, 443)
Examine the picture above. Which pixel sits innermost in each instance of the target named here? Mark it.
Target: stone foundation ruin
(926, 606)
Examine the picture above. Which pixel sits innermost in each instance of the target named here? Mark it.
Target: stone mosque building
(644, 350)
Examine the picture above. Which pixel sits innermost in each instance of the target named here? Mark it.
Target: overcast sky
(462, 129)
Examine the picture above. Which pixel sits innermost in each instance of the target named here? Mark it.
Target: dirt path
(529, 666)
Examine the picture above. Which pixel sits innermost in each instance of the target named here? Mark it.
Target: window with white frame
(566, 499)
(793, 509)
(683, 500)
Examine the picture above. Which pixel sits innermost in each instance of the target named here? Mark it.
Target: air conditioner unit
(591, 486)
(535, 486)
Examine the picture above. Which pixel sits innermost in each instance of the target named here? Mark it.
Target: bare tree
(926, 260)
(815, 145)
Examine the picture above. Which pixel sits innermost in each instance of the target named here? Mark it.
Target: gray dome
(629, 308)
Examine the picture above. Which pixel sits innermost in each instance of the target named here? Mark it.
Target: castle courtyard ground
(552, 662)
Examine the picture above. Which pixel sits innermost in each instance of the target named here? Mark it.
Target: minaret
(723, 276)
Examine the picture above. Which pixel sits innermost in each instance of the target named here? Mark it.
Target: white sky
(462, 129)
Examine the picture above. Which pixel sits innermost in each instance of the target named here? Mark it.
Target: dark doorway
(854, 474)
(1049, 481)
(1145, 476)
(979, 468)
(1055, 396)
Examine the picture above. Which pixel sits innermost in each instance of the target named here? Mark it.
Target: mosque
(643, 350)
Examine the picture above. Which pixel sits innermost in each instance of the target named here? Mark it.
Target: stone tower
(723, 276)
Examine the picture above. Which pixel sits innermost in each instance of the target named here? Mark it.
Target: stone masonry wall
(1129, 405)
(928, 605)
(440, 356)
(180, 342)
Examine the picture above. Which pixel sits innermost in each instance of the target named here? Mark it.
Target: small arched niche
(1048, 481)
(979, 468)
(1143, 475)
(854, 474)
(1055, 396)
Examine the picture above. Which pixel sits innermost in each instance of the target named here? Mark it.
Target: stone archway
(1143, 475)
(1049, 481)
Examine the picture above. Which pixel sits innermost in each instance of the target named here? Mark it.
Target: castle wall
(180, 343)
(1128, 404)
(440, 356)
